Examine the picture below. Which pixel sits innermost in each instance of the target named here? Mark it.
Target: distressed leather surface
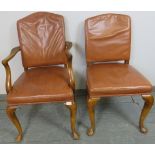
(42, 39)
(115, 79)
(41, 85)
(107, 38)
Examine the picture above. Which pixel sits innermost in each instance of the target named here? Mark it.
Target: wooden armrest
(5, 61)
(69, 64)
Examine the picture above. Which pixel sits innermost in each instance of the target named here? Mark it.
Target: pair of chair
(43, 48)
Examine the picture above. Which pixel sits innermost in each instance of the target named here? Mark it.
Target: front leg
(11, 114)
(91, 105)
(73, 109)
(147, 107)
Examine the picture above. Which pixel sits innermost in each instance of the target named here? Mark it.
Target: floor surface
(116, 123)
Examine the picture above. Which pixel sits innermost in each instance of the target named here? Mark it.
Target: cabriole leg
(73, 109)
(12, 116)
(148, 99)
(91, 105)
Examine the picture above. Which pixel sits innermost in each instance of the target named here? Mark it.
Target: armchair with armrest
(43, 48)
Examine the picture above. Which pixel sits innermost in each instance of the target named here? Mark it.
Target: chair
(107, 41)
(48, 75)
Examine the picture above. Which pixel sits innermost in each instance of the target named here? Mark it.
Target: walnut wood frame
(91, 103)
(71, 106)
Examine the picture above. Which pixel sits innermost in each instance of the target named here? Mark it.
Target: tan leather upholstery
(107, 38)
(115, 79)
(40, 85)
(42, 39)
(107, 42)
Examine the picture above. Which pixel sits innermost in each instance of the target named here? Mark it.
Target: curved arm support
(69, 65)
(8, 82)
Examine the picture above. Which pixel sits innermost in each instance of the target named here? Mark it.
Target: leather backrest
(108, 38)
(42, 39)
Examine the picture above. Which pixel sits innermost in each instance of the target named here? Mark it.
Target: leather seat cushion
(115, 79)
(44, 84)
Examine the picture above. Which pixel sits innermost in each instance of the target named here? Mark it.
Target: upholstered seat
(115, 79)
(44, 84)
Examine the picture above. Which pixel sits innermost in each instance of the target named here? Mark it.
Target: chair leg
(12, 116)
(73, 109)
(147, 107)
(91, 110)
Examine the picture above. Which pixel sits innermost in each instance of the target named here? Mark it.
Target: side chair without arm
(108, 41)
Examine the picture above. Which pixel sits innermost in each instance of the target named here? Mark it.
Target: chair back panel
(108, 38)
(42, 39)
